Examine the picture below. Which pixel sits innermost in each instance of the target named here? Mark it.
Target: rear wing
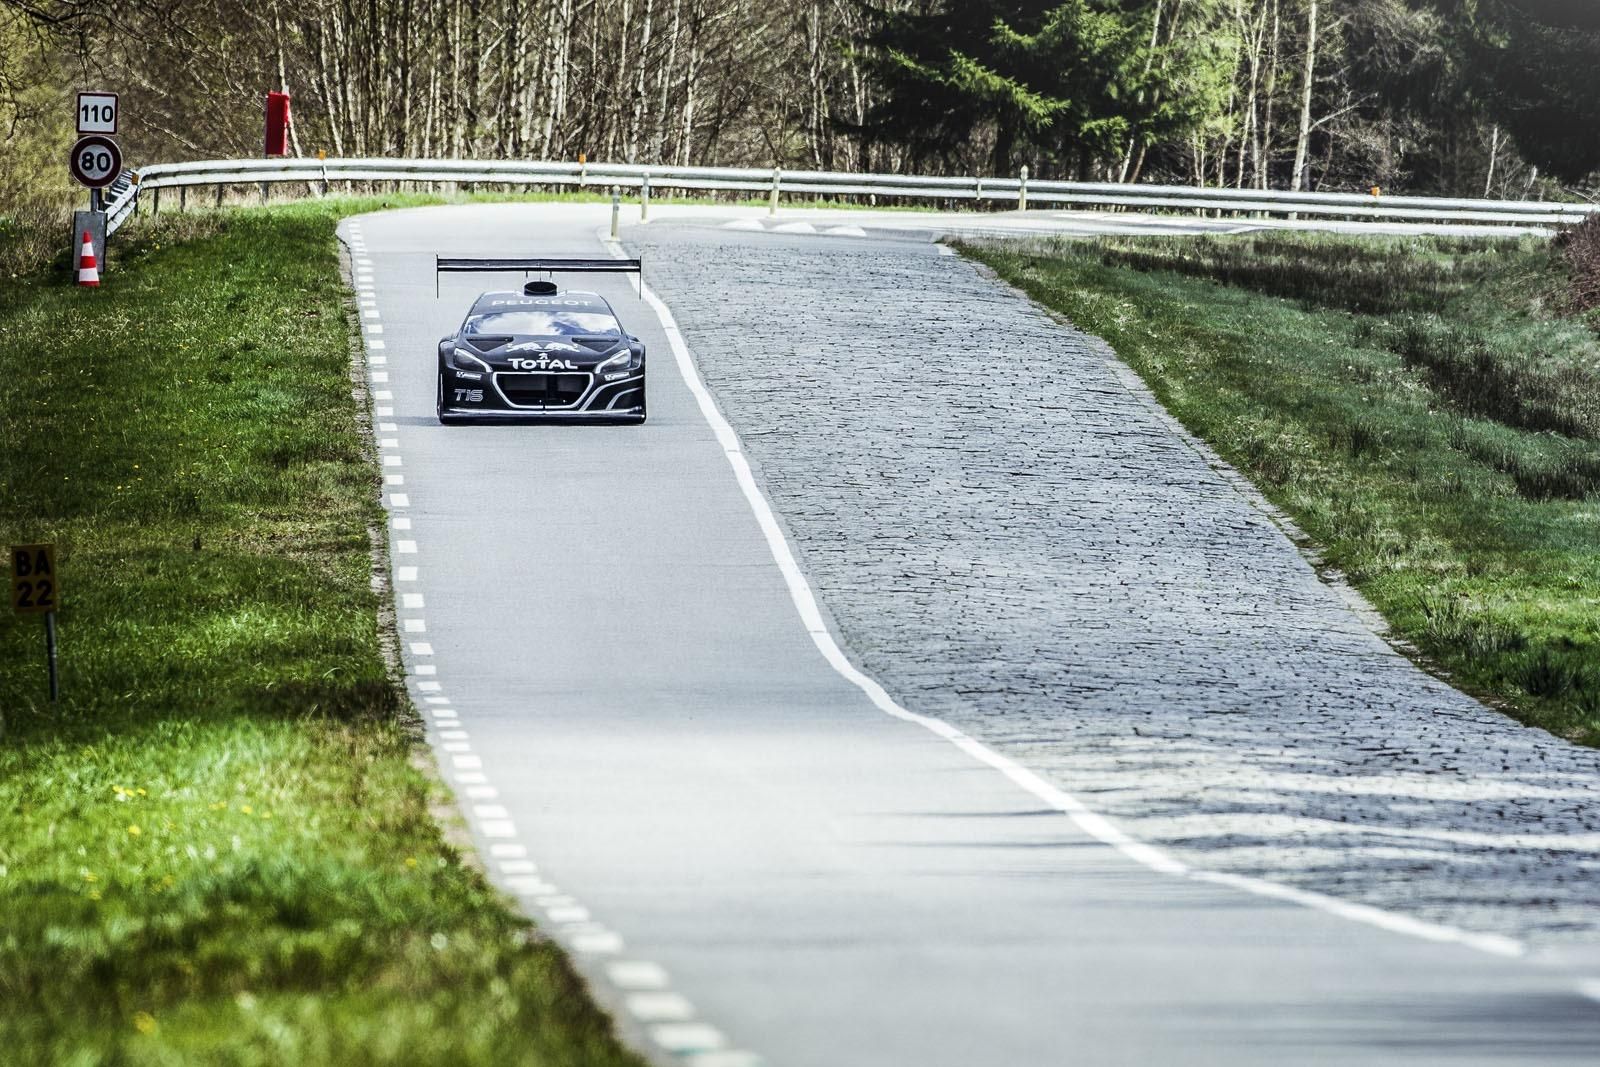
(547, 265)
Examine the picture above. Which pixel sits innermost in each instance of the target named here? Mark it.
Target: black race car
(542, 353)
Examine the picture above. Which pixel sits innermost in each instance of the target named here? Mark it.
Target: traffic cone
(88, 271)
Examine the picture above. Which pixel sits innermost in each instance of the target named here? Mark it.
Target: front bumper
(576, 395)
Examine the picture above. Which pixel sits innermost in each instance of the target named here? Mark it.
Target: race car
(541, 353)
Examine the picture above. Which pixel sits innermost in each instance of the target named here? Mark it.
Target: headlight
(464, 354)
(623, 358)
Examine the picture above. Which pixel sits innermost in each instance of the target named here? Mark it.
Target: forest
(1461, 97)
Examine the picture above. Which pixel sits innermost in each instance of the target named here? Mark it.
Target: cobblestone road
(1012, 536)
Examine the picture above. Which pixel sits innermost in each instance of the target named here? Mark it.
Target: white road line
(687, 1037)
(388, 427)
(427, 668)
(399, 500)
(405, 574)
(1091, 823)
(406, 548)
(383, 394)
(417, 626)
(637, 974)
(392, 461)
(374, 345)
(495, 828)
(411, 600)
(421, 648)
(394, 479)
(400, 522)
(659, 1007)
(466, 763)
(505, 851)
(380, 375)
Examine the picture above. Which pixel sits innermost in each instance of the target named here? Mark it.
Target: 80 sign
(95, 161)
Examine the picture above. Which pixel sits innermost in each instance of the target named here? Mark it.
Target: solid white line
(1091, 823)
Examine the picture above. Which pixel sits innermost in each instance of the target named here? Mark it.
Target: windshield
(541, 323)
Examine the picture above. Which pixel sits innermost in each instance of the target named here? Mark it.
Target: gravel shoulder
(1011, 535)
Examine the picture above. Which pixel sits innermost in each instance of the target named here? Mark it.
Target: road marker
(36, 590)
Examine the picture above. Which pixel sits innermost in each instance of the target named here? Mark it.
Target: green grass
(1420, 407)
(218, 848)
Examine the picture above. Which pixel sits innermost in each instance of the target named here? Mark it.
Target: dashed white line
(406, 548)
(659, 1007)
(637, 974)
(405, 574)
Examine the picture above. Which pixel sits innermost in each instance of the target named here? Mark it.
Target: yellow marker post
(36, 590)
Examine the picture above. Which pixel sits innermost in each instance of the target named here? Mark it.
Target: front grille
(540, 390)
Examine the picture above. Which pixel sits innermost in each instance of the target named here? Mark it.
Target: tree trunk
(1303, 142)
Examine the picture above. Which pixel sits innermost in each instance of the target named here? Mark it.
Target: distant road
(753, 857)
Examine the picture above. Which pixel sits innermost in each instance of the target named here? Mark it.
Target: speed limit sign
(96, 161)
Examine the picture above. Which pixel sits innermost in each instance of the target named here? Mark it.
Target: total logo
(543, 363)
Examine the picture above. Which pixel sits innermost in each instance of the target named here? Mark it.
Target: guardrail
(775, 183)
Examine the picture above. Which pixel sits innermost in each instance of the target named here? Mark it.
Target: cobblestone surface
(1011, 535)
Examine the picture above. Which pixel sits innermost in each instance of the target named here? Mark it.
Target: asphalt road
(749, 858)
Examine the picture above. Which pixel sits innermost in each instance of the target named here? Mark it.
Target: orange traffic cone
(88, 271)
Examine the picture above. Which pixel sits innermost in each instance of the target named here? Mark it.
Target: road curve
(749, 859)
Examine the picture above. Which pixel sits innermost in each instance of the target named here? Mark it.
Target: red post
(277, 141)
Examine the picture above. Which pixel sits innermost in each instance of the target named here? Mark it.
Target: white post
(616, 210)
(644, 198)
(777, 180)
(1022, 189)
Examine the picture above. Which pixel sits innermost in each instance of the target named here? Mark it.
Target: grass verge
(217, 849)
(1421, 407)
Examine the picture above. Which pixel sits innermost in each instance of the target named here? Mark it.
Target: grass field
(218, 848)
(1425, 409)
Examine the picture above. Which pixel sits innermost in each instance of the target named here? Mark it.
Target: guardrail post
(777, 185)
(183, 198)
(644, 198)
(324, 179)
(1022, 188)
(616, 211)
(155, 205)
(977, 190)
(219, 194)
(583, 172)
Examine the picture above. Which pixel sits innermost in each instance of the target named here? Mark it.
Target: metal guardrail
(776, 183)
(122, 197)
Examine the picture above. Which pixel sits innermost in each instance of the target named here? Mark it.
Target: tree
(1533, 63)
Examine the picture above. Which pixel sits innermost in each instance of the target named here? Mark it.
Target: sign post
(36, 590)
(95, 161)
